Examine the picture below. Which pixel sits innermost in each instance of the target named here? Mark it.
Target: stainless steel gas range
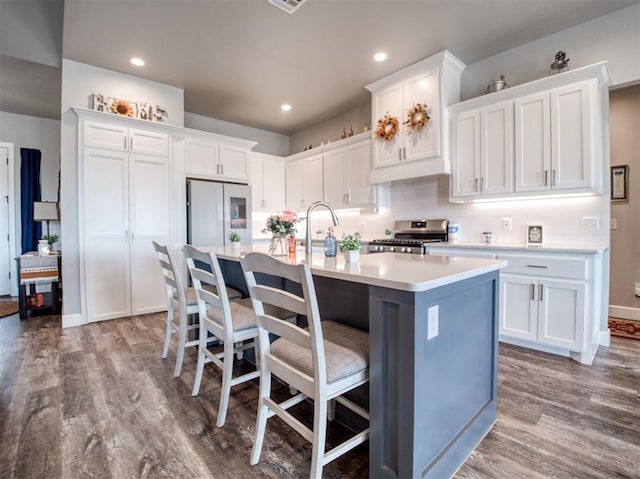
(409, 236)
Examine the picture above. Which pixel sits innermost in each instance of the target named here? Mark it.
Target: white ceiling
(239, 60)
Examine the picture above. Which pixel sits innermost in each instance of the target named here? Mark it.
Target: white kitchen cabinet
(304, 182)
(123, 138)
(434, 81)
(208, 158)
(483, 152)
(546, 311)
(267, 182)
(346, 176)
(553, 139)
(125, 206)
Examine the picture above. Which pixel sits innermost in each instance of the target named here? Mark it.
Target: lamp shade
(45, 210)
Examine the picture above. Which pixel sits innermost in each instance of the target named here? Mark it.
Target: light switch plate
(614, 224)
(590, 224)
(432, 324)
(506, 224)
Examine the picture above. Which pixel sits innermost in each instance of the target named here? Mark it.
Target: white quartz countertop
(408, 272)
(549, 248)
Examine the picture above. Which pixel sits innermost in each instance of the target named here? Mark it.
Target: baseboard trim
(604, 338)
(72, 320)
(624, 312)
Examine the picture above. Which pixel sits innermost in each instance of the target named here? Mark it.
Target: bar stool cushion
(242, 317)
(346, 351)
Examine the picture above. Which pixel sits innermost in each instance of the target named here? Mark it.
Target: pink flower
(289, 216)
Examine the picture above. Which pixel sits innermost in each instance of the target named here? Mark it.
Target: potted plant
(234, 238)
(51, 239)
(388, 233)
(350, 246)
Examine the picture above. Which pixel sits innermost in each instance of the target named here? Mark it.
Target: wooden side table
(33, 270)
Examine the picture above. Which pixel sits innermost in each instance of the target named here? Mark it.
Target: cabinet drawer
(546, 266)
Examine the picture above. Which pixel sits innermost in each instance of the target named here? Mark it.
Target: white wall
(614, 38)
(268, 142)
(40, 134)
(79, 81)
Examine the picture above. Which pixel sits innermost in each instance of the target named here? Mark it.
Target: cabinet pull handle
(131, 143)
(540, 291)
(125, 142)
(553, 177)
(532, 291)
(222, 169)
(404, 150)
(476, 185)
(546, 177)
(400, 154)
(482, 183)
(537, 266)
(264, 203)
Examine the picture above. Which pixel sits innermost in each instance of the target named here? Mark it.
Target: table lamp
(45, 211)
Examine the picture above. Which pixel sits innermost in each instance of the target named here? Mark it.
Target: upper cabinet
(210, 157)
(304, 182)
(418, 151)
(543, 137)
(119, 137)
(267, 182)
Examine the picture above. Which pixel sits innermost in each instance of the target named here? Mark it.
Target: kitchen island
(433, 338)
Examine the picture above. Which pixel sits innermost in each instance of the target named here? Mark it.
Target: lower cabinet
(543, 310)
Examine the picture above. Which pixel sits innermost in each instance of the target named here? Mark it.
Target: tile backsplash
(428, 197)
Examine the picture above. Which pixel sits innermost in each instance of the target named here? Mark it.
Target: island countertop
(405, 272)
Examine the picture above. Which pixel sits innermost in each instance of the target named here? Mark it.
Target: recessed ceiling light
(380, 56)
(285, 107)
(139, 62)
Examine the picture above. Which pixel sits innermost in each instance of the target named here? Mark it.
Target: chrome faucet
(334, 217)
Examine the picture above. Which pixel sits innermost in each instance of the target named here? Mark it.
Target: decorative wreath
(122, 107)
(417, 118)
(387, 127)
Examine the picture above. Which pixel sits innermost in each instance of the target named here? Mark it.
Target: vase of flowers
(281, 226)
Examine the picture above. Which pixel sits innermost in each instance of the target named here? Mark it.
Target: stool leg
(225, 390)
(182, 341)
(261, 421)
(202, 345)
(167, 335)
(319, 436)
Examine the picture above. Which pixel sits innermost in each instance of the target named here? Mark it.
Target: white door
(107, 235)
(295, 185)
(571, 136)
(562, 309)
(496, 145)
(205, 213)
(313, 180)
(422, 89)
(335, 186)
(273, 185)
(151, 142)
(149, 208)
(518, 307)
(105, 135)
(532, 143)
(5, 253)
(359, 189)
(201, 158)
(257, 182)
(234, 163)
(387, 101)
(466, 156)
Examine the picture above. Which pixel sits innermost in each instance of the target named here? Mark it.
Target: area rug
(8, 307)
(625, 328)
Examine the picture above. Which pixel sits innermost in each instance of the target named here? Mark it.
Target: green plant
(350, 242)
(388, 232)
(51, 239)
(234, 237)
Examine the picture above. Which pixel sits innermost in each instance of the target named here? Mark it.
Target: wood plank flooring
(97, 401)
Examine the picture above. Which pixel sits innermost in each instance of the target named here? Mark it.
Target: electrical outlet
(590, 224)
(637, 289)
(614, 224)
(506, 224)
(432, 323)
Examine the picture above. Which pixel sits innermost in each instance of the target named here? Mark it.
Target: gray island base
(433, 337)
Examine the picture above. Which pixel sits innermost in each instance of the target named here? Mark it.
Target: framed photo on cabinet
(620, 183)
(534, 235)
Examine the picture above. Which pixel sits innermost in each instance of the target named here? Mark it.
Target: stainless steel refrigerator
(215, 209)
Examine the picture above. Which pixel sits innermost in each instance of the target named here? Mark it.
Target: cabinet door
(388, 101)
(465, 175)
(561, 316)
(149, 142)
(422, 89)
(313, 180)
(532, 149)
(149, 208)
(273, 192)
(571, 136)
(257, 182)
(518, 307)
(358, 168)
(496, 149)
(295, 185)
(335, 181)
(201, 158)
(104, 135)
(234, 163)
(105, 222)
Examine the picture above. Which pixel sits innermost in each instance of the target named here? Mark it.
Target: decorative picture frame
(534, 235)
(620, 183)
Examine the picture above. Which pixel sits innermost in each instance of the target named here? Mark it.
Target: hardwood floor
(97, 401)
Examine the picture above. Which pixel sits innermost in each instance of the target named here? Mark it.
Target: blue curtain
(29, 192)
